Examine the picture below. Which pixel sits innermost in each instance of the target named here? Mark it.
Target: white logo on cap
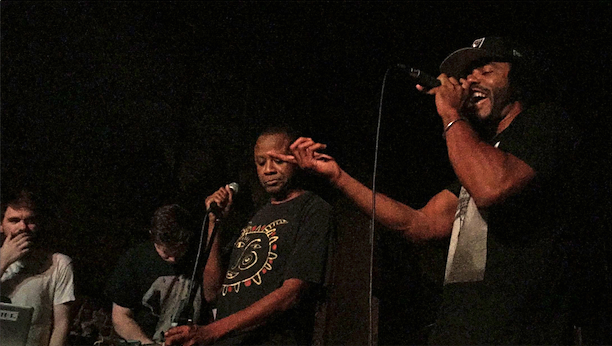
(478, 43)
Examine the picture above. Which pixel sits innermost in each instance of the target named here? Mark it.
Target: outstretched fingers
(282, 157)
(305, 151)
(299, 142)
(306, 144)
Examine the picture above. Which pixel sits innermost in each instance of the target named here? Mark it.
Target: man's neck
(286, 197)
(512, 111)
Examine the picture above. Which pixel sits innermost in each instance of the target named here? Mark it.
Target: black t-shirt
(282, 241)
(522, 297)
(153, 289)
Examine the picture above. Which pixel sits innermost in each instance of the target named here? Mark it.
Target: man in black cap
(504, 274)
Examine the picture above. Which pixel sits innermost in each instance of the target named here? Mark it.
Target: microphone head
(234, 187)
(420, 77)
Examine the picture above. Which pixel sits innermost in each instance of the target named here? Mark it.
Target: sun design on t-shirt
(257, 251)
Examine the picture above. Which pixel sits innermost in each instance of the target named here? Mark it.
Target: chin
(274, 190)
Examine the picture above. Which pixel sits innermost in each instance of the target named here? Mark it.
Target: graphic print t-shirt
(282, 241)
(153, 289)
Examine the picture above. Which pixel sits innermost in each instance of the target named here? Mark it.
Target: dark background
(114, 108)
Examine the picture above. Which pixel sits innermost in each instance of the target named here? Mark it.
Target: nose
(473, 76)
(170, 259)
(269, 167)
(22, 225)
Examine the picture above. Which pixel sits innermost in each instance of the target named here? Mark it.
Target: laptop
(14, 324)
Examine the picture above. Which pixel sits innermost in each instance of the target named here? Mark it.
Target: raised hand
(13, 248)
(450, 96)
(305, 154)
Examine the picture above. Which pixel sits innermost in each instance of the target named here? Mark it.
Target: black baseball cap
(486, 48)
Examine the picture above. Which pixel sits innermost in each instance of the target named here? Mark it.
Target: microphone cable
(195, 266)
(197, 260)
(234, 188)
(373, 219)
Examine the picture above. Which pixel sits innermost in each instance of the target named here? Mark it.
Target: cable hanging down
(373, 219)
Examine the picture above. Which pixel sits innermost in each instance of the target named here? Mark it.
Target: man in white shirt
(33, 276)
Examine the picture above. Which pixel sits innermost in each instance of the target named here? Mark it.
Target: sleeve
(120, 289)
(64, 281)
(542, 138)
(309, 258)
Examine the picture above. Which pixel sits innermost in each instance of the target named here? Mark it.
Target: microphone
(214, 207)
(420, 77)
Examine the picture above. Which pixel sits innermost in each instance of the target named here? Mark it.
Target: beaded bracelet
(448, 126)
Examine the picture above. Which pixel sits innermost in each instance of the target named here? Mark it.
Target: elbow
(412, 234)
(491, 195)
(425, 234)
(427, 228)
(291, 301)
(506, 184)
(486, 200)
(291, 294)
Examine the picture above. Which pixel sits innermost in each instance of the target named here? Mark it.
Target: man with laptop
(32, 276)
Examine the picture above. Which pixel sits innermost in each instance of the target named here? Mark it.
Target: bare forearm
(59, 335)
(61, 324)
(389, 212)
(128, 329)
(261, 311)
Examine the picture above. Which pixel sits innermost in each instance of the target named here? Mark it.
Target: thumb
(323, 157)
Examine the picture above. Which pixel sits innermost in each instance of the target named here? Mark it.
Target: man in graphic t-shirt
(151, 287)
(266, 293)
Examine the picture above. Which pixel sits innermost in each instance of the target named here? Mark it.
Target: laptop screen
(14, 324)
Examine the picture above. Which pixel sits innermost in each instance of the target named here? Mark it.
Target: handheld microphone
(214, 207)
(420, 77)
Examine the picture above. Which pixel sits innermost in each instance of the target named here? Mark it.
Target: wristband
(448, 126)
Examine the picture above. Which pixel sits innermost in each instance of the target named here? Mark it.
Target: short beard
(485, 128)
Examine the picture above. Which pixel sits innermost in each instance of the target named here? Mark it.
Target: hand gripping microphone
(214, 207)
(420, 77)
(185, 309)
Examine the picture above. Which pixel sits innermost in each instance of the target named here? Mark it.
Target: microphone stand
(187, 304)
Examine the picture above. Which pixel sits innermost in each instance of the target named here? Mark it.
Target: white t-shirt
(41, 284)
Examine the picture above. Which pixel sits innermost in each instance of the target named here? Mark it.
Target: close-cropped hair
(18, 200)
(287, 130)
(172, 225)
